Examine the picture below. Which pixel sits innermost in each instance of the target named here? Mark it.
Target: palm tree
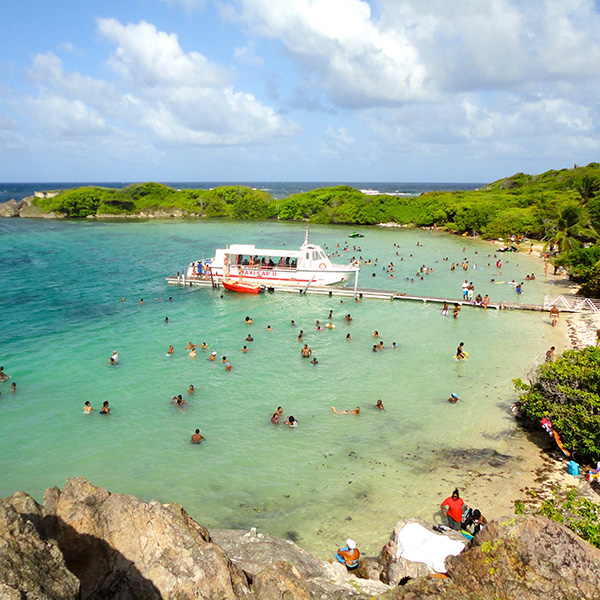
(588, 187)
(572, 229)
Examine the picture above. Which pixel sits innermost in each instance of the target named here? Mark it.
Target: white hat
(214, 353)
(351, 544)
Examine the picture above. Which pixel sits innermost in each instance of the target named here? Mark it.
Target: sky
(297, 90)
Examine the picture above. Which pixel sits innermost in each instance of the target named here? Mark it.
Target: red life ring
(322, 266)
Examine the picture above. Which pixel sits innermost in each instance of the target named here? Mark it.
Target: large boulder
(528, 557)
(517, 558)
(123, 548)
(272, 564)
(10, 209)
(31, 568)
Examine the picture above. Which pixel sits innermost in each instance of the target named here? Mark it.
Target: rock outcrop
(31, 568)
(25, 208)
(87, 543)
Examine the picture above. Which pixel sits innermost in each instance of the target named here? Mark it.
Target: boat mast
(306, 237)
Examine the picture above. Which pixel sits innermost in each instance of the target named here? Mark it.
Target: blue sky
(297, 90)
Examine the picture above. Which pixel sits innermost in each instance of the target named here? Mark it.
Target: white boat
(308, 266)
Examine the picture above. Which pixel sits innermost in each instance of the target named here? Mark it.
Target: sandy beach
(532, 465)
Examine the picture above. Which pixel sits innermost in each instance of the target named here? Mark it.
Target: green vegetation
(227, 201)
(561, 208)
(567, 392)
(579, 514)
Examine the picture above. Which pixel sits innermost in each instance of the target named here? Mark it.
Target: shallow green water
(332, 477)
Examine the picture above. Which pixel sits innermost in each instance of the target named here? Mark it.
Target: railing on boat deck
(572, 303)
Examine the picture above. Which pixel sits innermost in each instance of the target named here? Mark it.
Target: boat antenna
(306, 236)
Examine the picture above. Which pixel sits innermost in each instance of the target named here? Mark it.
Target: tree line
(561, 208)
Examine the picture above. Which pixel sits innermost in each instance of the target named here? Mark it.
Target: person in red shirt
(453, 513)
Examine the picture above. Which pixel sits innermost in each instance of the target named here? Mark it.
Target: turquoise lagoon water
(332, 477)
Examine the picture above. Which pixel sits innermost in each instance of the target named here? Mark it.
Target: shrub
(566, 391)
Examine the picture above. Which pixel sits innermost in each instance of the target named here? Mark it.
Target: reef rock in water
(85, 542)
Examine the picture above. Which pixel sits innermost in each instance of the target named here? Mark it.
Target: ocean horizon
(277, 189)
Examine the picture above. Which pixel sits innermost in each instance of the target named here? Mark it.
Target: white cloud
(411, 50)
(247, 55)
(357, 62)
(337, 142)
(163, 95)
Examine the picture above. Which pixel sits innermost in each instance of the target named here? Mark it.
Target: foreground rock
(116, 546)
(521, 558)
(31, 568)
(87, 543)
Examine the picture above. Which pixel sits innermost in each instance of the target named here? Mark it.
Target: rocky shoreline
(85, 542)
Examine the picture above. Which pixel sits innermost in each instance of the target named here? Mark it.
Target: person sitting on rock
(476, 519)
(349, 555)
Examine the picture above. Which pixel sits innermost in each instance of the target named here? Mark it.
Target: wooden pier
(375, 294)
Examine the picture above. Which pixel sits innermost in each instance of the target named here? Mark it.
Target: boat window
(293, 263)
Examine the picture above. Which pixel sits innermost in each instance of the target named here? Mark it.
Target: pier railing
(572, 303)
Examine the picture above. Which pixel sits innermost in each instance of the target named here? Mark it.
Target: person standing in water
(196, 437)
(460, 353)
(554, 315)
(453, 513)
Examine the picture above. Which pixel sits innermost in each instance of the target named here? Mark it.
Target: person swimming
(275, 417)
(105, 410)
(170, 350)
(379, 405)
(453, 398)
(291, 421)
(356, 411)
(314, 361)
(87, 408)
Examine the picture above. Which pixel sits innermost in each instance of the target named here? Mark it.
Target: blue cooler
(573, 468)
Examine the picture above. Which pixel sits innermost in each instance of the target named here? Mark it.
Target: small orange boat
(243, 287)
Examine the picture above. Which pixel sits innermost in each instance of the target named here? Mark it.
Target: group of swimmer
(87, 408)
(4, 378)
(290, 421)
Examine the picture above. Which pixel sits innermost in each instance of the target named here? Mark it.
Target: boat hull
(242, 287)
(294, 278)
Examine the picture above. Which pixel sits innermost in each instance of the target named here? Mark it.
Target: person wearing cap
(349, 555)
(212, 356)
(453, 398)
